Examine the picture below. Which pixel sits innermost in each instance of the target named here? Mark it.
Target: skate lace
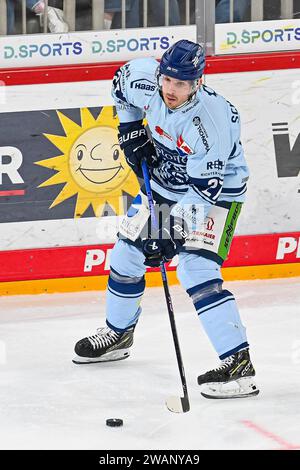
(104, 337)
(228, 361)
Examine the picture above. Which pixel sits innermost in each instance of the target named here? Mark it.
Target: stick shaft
(165, 283)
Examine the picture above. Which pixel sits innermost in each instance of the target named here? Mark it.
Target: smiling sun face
(97, 163)
(92, 165)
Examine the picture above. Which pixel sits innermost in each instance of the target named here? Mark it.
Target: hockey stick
(175, 404)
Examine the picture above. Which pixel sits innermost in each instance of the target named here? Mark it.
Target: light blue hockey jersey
(201, 156)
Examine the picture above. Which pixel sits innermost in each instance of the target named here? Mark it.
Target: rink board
(85, 47)
(70, 269)
(34, 229)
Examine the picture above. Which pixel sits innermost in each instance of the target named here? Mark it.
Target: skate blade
(241, 388)
(108, 357)
(223, 397)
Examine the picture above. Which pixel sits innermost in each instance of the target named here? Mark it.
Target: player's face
(175, 92)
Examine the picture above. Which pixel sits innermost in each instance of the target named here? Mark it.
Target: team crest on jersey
(182, 147)
(162, 133)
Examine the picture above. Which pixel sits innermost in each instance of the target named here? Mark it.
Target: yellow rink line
(87, 283)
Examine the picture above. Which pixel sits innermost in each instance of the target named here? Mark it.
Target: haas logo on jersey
(143, 84)
(182, 147)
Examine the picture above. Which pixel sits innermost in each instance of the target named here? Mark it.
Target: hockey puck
(114, 422)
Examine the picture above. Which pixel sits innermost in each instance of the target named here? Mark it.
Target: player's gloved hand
(165, 244)
(136, 145)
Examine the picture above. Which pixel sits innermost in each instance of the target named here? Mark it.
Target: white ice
(47, 402)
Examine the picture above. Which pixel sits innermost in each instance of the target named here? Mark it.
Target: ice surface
(47, 402)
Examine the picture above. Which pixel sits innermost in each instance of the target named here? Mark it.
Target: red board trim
(68, 262)
(13, 192)
(105, 71)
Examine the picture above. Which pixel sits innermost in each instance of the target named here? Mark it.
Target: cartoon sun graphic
(92, 164)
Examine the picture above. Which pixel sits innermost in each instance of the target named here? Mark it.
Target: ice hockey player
(198, 171)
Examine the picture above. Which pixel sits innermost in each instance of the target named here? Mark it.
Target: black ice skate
(232, 379)
(105, 345)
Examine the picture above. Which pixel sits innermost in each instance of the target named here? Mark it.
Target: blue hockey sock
(219, 315)
(124, 295)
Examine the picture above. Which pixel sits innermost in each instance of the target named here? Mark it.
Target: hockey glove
(165, 244)
(136, 145)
